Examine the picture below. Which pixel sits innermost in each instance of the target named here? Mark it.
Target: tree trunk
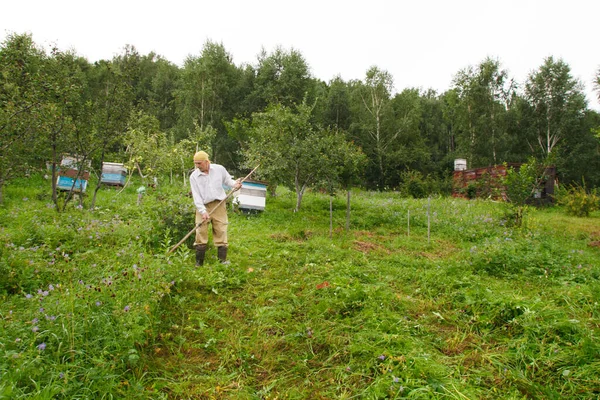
(330, 217)
(54, 191)
(299, 195)
(99, 181)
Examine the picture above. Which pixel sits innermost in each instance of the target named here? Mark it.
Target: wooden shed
(487, 182)
(251, 196)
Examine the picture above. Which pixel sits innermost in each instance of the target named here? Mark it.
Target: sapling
(520, 187)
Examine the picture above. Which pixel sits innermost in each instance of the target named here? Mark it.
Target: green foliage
(488, 186)
(520, 187)
(58, 103)
(293, 152)
(557, 101)
(471, 190)
(21, 88)
(578, 201)
(414, 184)
(173, 212)
(146, 146)
(91, 305)
(480, 112)
(78, 301)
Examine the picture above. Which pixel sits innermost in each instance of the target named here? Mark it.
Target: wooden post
(428, 218)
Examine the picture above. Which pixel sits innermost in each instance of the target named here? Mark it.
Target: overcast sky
(422, 43)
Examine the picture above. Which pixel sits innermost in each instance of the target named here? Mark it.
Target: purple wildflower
(126, 308)
(41, 346)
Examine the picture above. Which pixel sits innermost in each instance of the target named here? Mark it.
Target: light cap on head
(201, 156)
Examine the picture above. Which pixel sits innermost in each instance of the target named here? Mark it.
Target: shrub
(413, 184)
(578, 201)
(520, 186)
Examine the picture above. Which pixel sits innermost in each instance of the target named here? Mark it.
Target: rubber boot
(200, 252)
(222, 254)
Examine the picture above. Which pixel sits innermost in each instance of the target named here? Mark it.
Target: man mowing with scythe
(207, 183)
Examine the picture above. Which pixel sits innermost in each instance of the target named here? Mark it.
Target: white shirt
(209, 187)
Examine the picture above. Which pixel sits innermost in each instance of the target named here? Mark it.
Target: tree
(372, 107)
(347, 160)
(409, 150)
(111, 99)
(65, 116)
(336, 105)
(485, 93)
(21, 88)
(165, 83)
(557, 103)
(450, 100)
(206, 96)
(291, 150)
(597, 84)
(521, 186)
(283, 77)
(577, 157)
(435, 133)
(146, 146)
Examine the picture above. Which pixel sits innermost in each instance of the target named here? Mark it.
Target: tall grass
(92, 306)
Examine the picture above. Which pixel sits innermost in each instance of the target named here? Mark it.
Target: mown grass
(455, 304)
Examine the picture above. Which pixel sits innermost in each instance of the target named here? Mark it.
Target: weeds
(93, 307)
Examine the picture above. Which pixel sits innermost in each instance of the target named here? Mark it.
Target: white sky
(422, 43)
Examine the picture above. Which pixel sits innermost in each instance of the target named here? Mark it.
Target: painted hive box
(69, 176)
(252, 195)
(113, 174)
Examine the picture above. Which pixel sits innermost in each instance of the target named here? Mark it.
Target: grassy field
(453, 304)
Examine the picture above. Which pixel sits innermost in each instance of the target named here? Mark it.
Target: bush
(578, 201)
(413, 184)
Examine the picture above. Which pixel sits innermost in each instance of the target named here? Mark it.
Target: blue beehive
(113, 174)
(65, 183)
(69, 176)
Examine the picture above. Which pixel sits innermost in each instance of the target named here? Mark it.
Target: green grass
(474, 309)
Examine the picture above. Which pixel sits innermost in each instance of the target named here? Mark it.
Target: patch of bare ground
(595, 239)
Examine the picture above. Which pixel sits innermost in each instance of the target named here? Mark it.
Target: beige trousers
(218, 221)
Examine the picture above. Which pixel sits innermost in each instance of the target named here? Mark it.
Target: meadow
(437, 298)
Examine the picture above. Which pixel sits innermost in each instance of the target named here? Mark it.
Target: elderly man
(207, 183)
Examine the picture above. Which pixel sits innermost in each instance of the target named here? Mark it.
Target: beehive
(69, 176)
(252, 195)
(113, 174)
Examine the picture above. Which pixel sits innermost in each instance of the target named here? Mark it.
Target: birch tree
(557, 101)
